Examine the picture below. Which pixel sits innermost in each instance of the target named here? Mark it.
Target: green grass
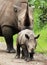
(2, 39)
(42, 41)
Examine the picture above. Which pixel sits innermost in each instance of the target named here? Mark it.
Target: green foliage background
(39, 27)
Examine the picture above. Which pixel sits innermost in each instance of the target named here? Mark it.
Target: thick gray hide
(30, 42)
(13, 19)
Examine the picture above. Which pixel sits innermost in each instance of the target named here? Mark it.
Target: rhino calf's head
(31, 42)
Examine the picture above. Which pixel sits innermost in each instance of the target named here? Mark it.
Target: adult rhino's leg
(8, 34)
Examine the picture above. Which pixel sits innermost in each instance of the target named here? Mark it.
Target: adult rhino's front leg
(8, 34)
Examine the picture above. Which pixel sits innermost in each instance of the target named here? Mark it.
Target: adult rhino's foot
(11, 50)
(17, 56)
(27, 59)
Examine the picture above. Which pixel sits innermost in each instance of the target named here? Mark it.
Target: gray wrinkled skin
(31, 42)
(14, 17)
(27, 41)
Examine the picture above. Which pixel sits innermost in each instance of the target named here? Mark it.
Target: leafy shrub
(40, 13)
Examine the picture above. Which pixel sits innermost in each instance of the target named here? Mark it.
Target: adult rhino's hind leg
(8, 34)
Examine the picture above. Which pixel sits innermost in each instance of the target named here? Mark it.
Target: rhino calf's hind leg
(8, 34)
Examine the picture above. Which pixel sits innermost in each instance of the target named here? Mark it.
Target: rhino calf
(27, 41)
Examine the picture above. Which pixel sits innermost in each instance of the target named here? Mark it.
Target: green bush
(39, 26)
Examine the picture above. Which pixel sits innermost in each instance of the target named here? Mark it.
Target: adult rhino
(13, 19)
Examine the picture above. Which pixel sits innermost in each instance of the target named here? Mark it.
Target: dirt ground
(9, 59)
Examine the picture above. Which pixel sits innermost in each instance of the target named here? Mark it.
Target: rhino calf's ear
(26, 36)
(37, 36)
